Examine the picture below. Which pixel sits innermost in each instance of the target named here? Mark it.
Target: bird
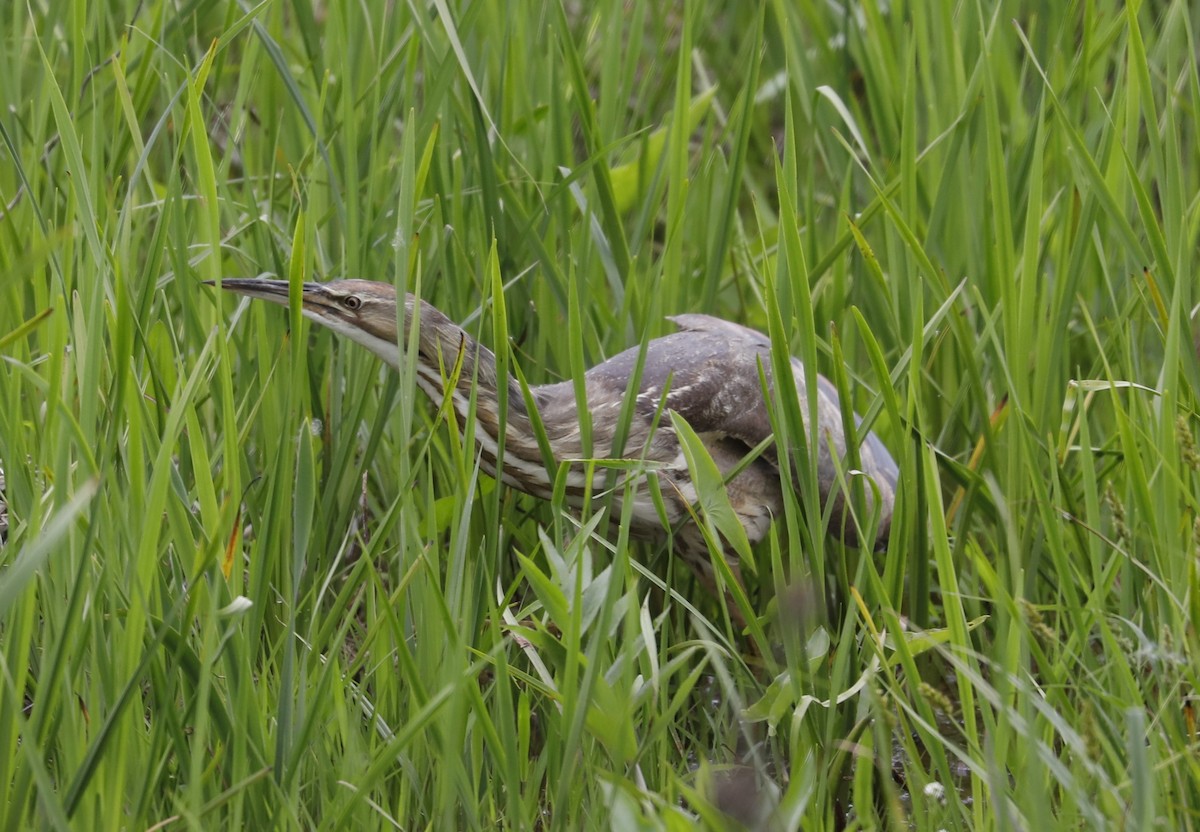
(707, 372)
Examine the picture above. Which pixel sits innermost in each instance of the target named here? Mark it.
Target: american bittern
(708, 372)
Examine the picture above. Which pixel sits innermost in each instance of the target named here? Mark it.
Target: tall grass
(251, 579)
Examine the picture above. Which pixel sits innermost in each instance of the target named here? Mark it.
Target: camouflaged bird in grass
(707, 373)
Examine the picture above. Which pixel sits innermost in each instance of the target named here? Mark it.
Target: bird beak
(275, 291)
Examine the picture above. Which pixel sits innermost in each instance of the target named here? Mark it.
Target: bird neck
(452, 363)
(442, 344)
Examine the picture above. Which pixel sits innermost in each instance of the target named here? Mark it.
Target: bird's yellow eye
(352, 302)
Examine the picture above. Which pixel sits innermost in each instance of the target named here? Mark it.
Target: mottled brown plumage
(708, 372)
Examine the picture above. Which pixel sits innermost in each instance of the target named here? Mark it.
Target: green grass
(253, 580)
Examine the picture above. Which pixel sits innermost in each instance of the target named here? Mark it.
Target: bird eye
(352, 302)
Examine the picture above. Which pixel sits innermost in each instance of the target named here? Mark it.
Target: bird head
(362, 310)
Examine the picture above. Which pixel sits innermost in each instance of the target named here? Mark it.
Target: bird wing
(695, 322)
(720, 391)
(732, 400)
(709, 374)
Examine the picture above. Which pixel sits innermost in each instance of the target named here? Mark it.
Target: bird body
(707, 373)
